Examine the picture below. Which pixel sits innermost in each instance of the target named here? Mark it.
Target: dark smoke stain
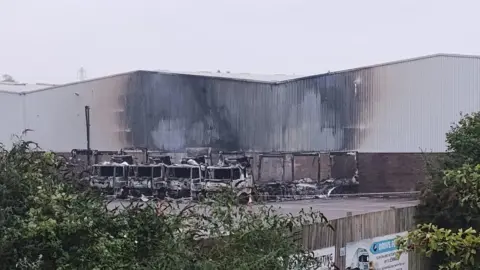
(219, 119)
(340, 107)
(134, 111)
(152, 97)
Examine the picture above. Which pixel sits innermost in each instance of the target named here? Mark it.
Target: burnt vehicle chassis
(122, 177)
(125, 180)
(342, 177)
(197, 177)
(232, 171)
(160, 178)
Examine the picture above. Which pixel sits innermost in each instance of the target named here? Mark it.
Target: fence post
(397, 218)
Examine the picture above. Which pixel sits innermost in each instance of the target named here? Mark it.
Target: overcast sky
(49, 40)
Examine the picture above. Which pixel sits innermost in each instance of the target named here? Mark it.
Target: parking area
(338, 208)
(331, 208)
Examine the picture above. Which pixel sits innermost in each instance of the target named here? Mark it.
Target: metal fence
(365, 226)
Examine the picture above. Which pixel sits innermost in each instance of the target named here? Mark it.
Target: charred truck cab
(159, 183)
(231, 177)
(180, 178)
(110, 177)
(159, 177)
(140, 180)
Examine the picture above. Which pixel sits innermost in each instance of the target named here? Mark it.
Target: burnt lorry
(122, 177)
(227, 177)
(179, 179)
(305, 175)
(195, 177)
(159, 182)
(233, 171)
(159, 177)
(147, 180)
(109, 177)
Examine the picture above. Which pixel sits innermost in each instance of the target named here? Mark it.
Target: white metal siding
(399, 107)
(11, 122)
(411, 105)
(57, 115)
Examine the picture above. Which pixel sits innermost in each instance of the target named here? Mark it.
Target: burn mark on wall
(135, 100)
(215, 119)
(162, 109)
(173, 112)
(341, 109)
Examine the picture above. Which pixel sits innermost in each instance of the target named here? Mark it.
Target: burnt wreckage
(159, 177)
(340, 176)
(196, 177)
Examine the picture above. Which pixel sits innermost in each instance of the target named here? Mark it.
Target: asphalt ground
(332, 208)
(338, 208)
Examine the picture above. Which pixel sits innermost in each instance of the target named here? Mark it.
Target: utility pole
(87, 124)
(82, 74)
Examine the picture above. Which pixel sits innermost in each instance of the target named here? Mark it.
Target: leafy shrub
(49, 221)
(450, 202)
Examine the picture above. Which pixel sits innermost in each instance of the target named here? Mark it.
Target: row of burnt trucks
(159, 177)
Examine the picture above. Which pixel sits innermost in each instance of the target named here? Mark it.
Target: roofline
(322, 74)
(143, 71)
(250, 80)
(11, 92)
(224, 78)
(78, 82)
(387, 64)
(24, 84)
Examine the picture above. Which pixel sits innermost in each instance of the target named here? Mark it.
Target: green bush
(49, 221)
(450, 203)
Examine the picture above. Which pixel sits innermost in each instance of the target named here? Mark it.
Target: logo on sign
(383, 246)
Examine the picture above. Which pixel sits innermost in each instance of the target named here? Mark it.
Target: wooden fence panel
(359, 227)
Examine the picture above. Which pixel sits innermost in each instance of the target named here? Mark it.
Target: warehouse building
(402, 106)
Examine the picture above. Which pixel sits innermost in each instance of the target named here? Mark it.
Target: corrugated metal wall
(400, 107)
(173, 112)
(57, 115)
(12, 122)
(409, 106)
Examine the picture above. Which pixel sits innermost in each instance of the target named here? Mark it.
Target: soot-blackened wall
(405, 106)
(173, 112)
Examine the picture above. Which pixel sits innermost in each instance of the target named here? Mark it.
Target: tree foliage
(8, 78)
(459, 246)
(463, 141)
(47, 222)
(454, 247)
(449, 209)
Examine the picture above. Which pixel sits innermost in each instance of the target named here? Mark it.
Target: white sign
(381, 251)
(326, 256)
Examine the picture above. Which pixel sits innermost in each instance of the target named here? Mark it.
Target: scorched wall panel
(173, 112)
(398, 107)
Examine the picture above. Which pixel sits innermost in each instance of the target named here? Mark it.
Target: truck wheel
(161, 194)
(197, 196)
(243, 198)
(201, 196)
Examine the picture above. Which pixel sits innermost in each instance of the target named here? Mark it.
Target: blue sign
(383, 246)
